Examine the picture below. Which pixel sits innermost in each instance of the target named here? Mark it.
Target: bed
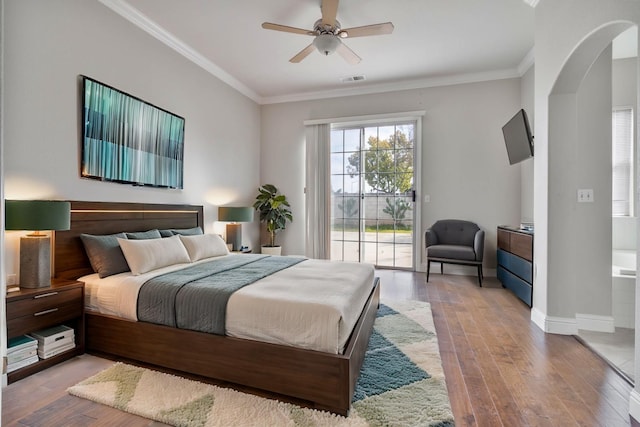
(319, 379)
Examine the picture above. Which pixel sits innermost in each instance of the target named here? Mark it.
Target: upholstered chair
(454, 241)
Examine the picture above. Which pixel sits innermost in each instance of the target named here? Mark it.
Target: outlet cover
(585, 195)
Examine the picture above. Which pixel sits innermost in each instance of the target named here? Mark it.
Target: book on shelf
(20, 342)
(55, 351)
(21, 355)
(22, 363)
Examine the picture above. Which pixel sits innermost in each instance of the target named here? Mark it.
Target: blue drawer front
(518, 266)
(519, 287)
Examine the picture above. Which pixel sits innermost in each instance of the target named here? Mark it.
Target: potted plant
(274, 211)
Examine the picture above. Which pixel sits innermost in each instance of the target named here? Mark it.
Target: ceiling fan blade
(286, 29)
(367, 30)
(348, 55)
(329, 12)
(302, 54)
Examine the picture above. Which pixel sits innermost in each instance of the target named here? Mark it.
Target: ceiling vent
(352, 79)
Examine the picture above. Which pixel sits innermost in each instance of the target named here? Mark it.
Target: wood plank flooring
(501, 370)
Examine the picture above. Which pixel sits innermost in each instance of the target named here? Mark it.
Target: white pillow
(204, 246)
(146, 255)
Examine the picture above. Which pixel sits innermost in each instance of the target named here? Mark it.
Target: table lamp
(235, 215)
(35, 248)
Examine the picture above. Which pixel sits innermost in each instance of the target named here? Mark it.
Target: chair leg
(480, 276)
(442, 268)
(428, 268)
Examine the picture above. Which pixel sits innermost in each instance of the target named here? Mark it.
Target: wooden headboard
(69, 258)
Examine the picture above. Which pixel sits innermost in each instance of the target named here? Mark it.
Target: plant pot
(271, 250)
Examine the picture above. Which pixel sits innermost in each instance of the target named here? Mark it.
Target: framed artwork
(128, 140)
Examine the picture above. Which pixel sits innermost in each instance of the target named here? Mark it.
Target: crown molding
(527, 62)
(136, 17)
(532, 3)
(395, 86)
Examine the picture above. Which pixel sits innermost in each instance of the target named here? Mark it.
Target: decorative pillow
(144, 235)
(187, 231)
(166, 233)
(151, 254)
(204, 246)
(104, 253)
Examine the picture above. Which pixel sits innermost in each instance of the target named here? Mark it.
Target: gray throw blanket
(196, 297)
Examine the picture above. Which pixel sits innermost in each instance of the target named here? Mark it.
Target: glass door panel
(372, 194)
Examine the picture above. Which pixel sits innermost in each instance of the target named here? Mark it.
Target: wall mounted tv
(518, 138)
(128, 140)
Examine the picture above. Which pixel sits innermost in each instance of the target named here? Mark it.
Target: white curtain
(318, 192)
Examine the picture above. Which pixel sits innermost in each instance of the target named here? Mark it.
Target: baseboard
(634, 404)
(594, 322)
(554, 325)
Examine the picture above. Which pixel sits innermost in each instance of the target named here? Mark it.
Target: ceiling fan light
(326, 43)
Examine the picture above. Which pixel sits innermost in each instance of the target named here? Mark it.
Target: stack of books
(22, 351)
(55, 340)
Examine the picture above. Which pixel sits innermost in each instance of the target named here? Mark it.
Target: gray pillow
(104, 253)
(144, 235)
(166, 233)
(188, 231)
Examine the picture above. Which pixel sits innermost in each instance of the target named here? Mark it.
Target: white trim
(124, 9)
(371, 118)
(554, 325)
(634, 404)
(526, 63)
(594, 322)
(532, 3)
(511, 73)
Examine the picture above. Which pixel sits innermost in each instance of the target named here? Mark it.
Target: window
(623, 161)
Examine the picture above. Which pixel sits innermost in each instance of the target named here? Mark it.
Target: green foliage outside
(388, 163)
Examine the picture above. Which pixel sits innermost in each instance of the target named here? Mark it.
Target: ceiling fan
(328, 34)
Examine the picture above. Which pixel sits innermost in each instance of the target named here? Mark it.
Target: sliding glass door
(372, 186)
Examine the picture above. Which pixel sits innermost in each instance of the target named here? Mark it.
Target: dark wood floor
(501, 370)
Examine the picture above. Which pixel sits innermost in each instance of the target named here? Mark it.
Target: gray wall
(464, 162)
(527, 86)
(48, 44)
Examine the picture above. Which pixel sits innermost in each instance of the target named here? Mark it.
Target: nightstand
(29, 310)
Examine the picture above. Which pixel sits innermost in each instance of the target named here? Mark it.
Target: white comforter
(313, 305)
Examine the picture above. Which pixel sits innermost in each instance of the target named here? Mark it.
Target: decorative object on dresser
(515, 261)
(274, 211)
(32, 310)
(35, 249)
(235, 216)
(454, 241)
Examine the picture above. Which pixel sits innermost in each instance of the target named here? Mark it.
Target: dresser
(29, 310)
(515, 261)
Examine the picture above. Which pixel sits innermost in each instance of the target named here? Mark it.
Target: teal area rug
(401, 384)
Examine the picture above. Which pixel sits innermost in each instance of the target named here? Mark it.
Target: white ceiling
(435, 42)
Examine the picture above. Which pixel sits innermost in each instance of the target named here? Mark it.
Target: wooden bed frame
(319, 380)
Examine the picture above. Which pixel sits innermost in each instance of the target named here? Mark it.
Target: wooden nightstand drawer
(43, 302)
(42, 319)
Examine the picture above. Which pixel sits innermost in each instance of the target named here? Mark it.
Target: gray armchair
(453, 241)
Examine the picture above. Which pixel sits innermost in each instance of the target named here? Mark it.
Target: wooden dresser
(515, 261)
(29, 310)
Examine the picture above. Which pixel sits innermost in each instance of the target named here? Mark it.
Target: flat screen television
(518, 138)
(128, 140)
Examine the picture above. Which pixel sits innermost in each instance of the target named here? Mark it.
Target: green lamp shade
(37, 215)
(232, 214)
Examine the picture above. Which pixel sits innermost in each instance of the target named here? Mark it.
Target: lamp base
(234, 236)
(35, 262)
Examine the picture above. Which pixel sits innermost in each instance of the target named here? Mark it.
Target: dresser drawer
(516, 265)
(522, 245)
(42, 302)
(522, 289)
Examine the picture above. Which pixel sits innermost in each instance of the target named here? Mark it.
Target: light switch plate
(585, 195)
